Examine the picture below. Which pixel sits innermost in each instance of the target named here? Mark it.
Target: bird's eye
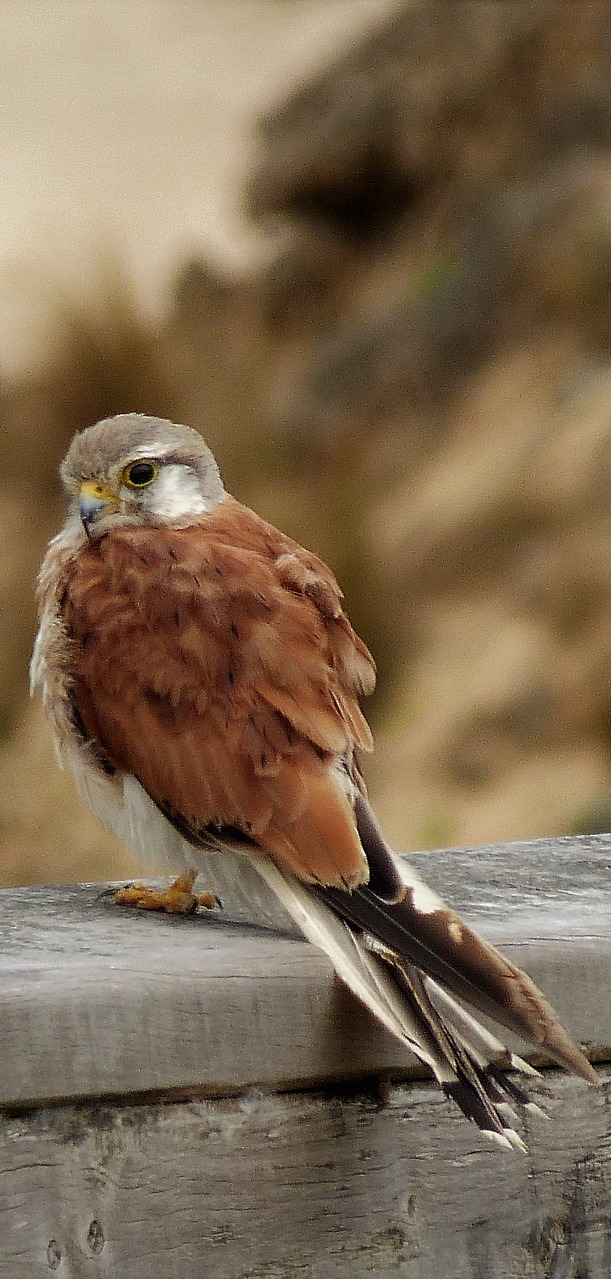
(139, 474)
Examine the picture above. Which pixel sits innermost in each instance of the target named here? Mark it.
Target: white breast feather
(123, 805)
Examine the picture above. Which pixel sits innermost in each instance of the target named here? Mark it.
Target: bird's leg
(178, 899)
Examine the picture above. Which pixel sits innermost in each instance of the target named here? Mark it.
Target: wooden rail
(197, 1097)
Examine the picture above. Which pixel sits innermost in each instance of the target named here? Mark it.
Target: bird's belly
(121, 803)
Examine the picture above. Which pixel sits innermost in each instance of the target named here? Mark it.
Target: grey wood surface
(97, 1001)
(305, 1186)
(170, 1150)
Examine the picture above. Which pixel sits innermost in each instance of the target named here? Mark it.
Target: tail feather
(518, 1095)
(395, 992)
(479, 1095)
(385, 879)
(423, 931)
(414, 963)
(367, 976)
(483, 1045)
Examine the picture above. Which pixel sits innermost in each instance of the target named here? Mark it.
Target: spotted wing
(216, 665)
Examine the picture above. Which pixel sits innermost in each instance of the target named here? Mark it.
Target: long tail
(398, 998)
(406, 955)
(419, 928)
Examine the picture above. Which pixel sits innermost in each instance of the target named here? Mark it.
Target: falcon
(202, 682)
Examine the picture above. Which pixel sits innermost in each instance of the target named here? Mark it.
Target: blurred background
(364, 247)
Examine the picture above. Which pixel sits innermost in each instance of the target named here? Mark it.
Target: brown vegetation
(419, 387)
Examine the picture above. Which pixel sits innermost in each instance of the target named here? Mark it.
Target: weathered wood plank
(95, 1001)
(98, 1003)
(306, 1187)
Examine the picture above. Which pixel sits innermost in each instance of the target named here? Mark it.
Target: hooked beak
(95, 499)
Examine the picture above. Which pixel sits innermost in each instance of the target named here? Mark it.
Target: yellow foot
(178, 899)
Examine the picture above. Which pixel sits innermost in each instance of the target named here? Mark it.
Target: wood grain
(98, 1001)
(216, 1171)
(306, 1187)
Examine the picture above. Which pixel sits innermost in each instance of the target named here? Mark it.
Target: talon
(178, 899)
(209, 901)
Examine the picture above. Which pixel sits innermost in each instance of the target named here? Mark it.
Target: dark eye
(139, 474)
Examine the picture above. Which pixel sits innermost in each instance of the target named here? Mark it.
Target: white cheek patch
(175, 496)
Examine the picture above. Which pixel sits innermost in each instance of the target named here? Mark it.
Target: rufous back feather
(216, 664)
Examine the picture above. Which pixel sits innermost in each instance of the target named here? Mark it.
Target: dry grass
(485, 579)
(428, 408)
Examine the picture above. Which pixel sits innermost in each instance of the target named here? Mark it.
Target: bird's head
(133, 469)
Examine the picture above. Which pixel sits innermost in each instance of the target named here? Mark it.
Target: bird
(203, 682)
